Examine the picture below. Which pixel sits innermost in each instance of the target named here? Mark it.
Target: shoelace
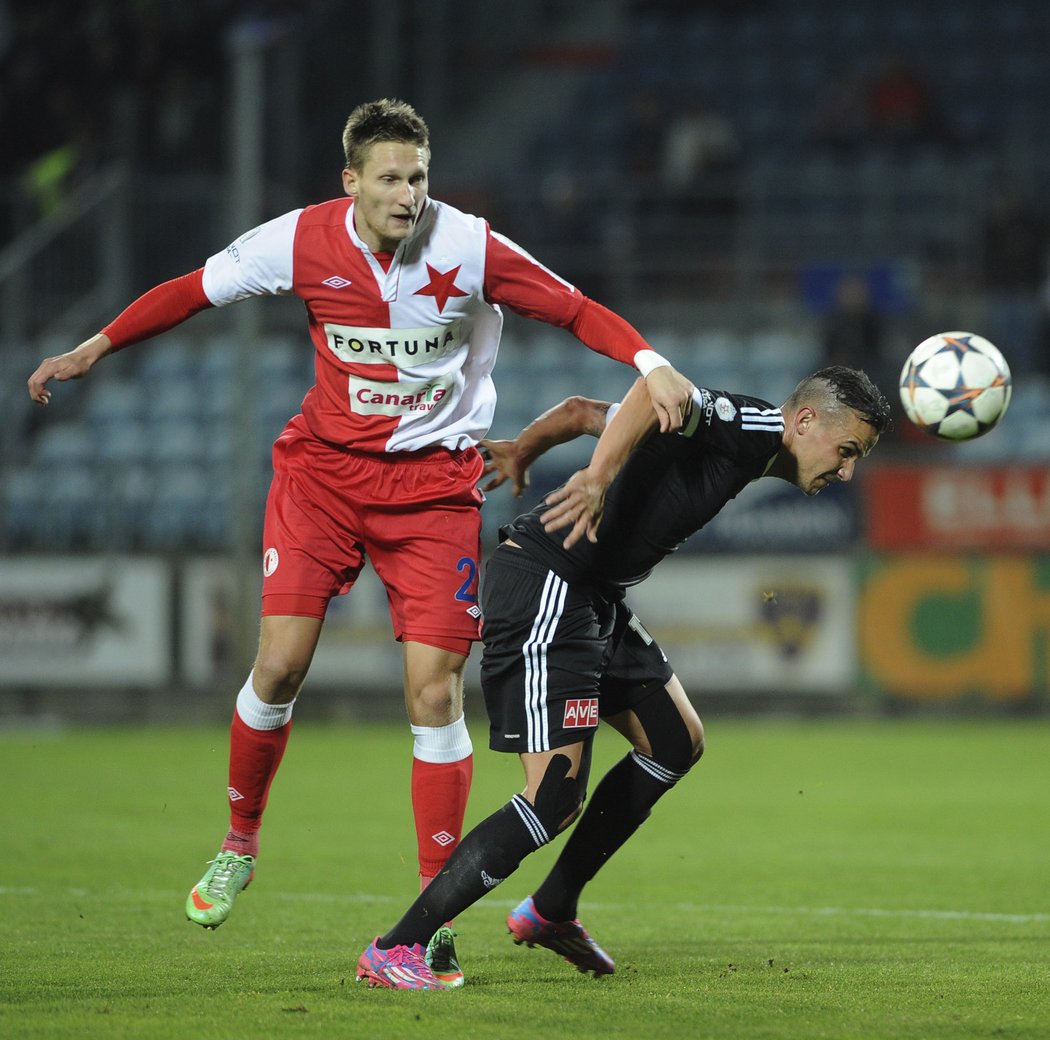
(223, 875)
(406, 957)
(441, 956)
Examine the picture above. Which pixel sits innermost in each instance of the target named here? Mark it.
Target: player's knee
(697, 741)
(278, 678)
(676, 742)
(559, 798)
(436, 701)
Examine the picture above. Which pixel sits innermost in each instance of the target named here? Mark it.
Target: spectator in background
(854, 332)
(699, 141)
(699, 164)
(841, 123)
(1015, 246)
(645, 133)
(569, 231)
(901, 107)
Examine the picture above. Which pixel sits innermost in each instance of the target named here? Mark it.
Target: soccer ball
(955, 385)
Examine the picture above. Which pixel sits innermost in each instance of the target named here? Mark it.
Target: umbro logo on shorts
(581, 713)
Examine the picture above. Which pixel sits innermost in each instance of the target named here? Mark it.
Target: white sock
(440, 744)
(257, 714)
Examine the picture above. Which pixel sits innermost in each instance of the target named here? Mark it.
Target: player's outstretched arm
(74, 364)
(511, 459)
(162, 308)
(581, 500)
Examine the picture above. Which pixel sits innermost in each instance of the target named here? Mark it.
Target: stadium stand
(140, 455)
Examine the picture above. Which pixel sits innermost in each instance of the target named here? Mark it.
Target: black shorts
(556, 657)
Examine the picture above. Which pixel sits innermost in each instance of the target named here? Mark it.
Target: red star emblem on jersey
(442, 286)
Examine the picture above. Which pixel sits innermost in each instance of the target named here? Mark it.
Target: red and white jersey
(403, 356)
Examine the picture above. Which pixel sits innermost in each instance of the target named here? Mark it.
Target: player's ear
(350, 181)
(804, 419)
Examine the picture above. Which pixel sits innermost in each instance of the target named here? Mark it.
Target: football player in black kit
(562, 648)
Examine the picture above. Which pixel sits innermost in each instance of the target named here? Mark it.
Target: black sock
(486, 856)
(621, 803)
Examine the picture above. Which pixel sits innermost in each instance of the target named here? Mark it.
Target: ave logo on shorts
(581, 713)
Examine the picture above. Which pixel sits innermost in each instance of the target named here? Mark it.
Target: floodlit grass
(809, 879)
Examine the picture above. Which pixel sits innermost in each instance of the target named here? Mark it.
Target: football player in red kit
(403, 297)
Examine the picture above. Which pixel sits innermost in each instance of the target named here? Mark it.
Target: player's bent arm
(581, 501)
(511, 459)
(517, 280)
(74, 364)
(671, 392)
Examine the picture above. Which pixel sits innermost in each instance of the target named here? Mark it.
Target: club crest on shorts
(270, 561)
(581, 713)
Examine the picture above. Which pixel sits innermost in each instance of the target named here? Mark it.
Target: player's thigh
(310, 547)
(642, 698)
(427, 560)
(544, 642)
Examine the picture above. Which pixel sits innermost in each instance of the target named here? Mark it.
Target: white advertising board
(356, 650)
(758, 624)
(84, 621)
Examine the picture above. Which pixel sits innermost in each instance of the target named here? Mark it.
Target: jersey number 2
(464, 595)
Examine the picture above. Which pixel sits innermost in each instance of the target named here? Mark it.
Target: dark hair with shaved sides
(838, 387)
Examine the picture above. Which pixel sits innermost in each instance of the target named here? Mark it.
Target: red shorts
(416, 516)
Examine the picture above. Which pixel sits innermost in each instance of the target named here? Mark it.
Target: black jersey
(671, 485)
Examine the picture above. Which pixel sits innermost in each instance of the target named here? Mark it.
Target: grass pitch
(809, 879)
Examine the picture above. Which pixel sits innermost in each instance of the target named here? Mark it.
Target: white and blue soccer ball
(955, 385)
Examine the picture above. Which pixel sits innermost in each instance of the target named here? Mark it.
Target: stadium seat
(62, 444)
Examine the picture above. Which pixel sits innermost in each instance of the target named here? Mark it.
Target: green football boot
(441, 957)
(211, 900)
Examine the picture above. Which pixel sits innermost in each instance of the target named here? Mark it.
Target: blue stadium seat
(68, 442)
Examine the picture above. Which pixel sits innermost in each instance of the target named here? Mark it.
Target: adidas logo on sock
(491, 882)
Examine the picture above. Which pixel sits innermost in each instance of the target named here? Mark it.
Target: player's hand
(74, 364)
(672, 396)
(504, 461)
(580, 503)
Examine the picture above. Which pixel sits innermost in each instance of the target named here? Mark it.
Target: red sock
(255, 755)
(439, 802)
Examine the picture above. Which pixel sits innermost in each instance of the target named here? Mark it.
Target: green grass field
(810, 879)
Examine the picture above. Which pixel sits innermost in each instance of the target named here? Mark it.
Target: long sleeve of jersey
(162, 308)
(516, 280)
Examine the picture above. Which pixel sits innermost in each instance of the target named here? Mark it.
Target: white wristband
(647, 360)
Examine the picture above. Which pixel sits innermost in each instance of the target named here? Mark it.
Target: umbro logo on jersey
(336, 282)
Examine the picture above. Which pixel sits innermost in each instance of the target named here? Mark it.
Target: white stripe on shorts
(544, 625)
